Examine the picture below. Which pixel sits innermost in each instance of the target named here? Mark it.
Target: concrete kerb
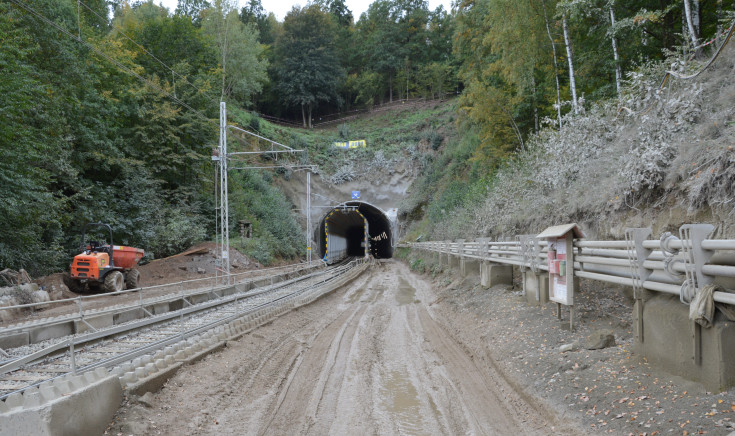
(71, 405)
(43, 410)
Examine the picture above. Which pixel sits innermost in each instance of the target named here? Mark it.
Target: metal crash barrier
(681, 265)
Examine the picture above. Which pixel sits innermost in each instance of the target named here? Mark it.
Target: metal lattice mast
(224, 207)
(308, 217)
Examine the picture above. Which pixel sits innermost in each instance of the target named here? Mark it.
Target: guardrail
(675, 265)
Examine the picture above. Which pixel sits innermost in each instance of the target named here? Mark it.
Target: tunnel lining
(380, 232)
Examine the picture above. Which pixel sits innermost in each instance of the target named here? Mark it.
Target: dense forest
(110, 108)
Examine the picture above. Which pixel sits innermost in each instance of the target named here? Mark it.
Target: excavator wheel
(73, 284)
(132, 279)
(114, 282)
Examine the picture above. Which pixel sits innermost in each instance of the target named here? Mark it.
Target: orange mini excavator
(103, 267)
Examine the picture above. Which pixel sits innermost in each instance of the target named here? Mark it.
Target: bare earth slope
(371, 358)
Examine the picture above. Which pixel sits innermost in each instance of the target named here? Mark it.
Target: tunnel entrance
(352, 228)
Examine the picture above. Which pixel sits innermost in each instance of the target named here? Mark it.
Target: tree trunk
(618, 72)
(390, 86)
(303, 114)
(690, 23)
(696, 18)
(570, 60)
(556, 67)
(309, 110)
(533, 102)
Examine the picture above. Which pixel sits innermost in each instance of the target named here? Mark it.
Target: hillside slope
(657, 158)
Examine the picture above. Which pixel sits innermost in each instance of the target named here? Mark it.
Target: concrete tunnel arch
(347, 224)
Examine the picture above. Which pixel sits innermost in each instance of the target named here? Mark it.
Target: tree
(242, 69)
(254, 14)
(394, 34)
(192, 9)
(308, 68)
(570, 62)
(339, 10)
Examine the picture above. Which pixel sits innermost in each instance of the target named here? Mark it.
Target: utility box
(560, 260)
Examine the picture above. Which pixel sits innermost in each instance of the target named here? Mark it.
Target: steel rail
(141, 304)
(146, 288)
(136, 325)
(331, 275)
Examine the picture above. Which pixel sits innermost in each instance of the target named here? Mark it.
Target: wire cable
(707, 65)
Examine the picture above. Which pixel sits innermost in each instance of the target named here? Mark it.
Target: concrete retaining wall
(669, 340)
(492, 274)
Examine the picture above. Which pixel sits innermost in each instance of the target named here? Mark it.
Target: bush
(418, 265)
(254, 122)
(175, 231)
(434, 139)
(344, 131)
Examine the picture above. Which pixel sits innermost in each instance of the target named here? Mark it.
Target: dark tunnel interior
(344, 222)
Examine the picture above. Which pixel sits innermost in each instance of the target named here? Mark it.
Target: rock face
(600, 339)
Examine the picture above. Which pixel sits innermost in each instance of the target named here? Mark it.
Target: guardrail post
(637, 255)
(695, 256)
(460, 254)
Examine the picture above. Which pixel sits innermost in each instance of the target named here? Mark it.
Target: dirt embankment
(606, 391)
(374, 357)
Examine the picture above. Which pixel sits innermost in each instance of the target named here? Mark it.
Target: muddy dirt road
(370, 358)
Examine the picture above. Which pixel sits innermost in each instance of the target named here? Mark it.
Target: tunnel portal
(354, 228)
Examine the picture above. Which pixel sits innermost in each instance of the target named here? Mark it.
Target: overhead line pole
(308, 217)
(224, 156)
(224, 207)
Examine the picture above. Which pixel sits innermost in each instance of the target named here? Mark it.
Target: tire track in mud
(370, 358)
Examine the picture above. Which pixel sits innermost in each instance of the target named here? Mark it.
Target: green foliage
(418, 265)
(82, 140)
(276, 234)
(434, 138)
(175, 230)
(242, 69)
(308, 68)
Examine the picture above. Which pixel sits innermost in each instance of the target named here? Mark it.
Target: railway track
(140, 341)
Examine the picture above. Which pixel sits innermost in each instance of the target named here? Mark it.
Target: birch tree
(242, 70)
(570, 61)
(556, 66)
(616, 57)
(692, 20)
